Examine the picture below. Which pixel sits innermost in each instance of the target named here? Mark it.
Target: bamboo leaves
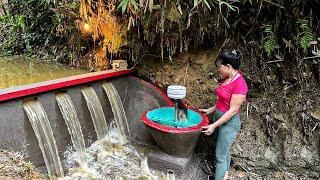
(124, 4)
(207, 4)
(196, 3)
(150, 5)
(101, 24)
(134, 4)
(229, 6)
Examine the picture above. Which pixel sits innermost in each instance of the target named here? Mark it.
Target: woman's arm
(208, 111)
(236, 101)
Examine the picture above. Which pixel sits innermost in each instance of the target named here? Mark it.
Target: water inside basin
(166, 116)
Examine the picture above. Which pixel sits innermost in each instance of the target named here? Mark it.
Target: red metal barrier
(25, 90)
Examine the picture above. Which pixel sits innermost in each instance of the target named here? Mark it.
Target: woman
(231, 94)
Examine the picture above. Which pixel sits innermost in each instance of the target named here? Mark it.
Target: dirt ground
(279, 138)
(12, 166)
(195, 71)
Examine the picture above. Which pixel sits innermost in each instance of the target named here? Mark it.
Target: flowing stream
(109, 159)
(118, 110)
(42, 129)
(96, 111)
(71, 119)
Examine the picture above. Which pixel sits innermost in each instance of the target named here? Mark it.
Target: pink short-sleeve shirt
(224, 92)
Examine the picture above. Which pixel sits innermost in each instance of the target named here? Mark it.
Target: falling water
(180, 113)
(117, 109)
(109, 160)
(96, 111)
(42, 129)
(170, 175)
(70, 116)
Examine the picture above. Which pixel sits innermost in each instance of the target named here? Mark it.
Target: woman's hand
(208, 129)
(206, 111)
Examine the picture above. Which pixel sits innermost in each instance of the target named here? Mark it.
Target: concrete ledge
(183, 168)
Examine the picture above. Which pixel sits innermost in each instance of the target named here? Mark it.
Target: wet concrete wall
(138, 96)
(16, 133)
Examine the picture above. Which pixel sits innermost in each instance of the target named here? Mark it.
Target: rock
(4, 159)
(278, 174)
(241, 174)
(316, 114)
(292, 149)
(238, 148)
(279, 117)
(18, 169)
(211, 75)
(199, 81)
(306, 155)
(270, 156)
(251, 163)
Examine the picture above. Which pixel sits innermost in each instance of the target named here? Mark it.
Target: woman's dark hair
(231, 58)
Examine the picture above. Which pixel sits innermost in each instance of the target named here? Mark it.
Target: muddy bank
(280, 134)
(13, 166)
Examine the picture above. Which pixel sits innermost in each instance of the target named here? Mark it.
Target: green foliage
(307, 35)
(32, 27)
(195, 3)
(16, 22)
(29, 165)
(230, 6)
(209, 4)
(250, 1)
(166, 26)
(14, 25)
(270, 40)
(127, 3)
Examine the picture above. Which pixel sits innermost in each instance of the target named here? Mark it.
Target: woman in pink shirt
(231, 94)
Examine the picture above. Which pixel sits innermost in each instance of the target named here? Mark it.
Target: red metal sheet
(20, 91)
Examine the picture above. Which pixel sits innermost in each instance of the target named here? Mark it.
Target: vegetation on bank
(274, 36)
(13, 166)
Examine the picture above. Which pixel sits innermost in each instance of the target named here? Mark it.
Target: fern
(307, 35)
(270, 40)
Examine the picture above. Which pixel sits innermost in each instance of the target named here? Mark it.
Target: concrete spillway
(17, 134)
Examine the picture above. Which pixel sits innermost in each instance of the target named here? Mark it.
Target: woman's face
(223, 70)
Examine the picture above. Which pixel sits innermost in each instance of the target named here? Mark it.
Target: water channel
(112, 156)
(16, 71)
